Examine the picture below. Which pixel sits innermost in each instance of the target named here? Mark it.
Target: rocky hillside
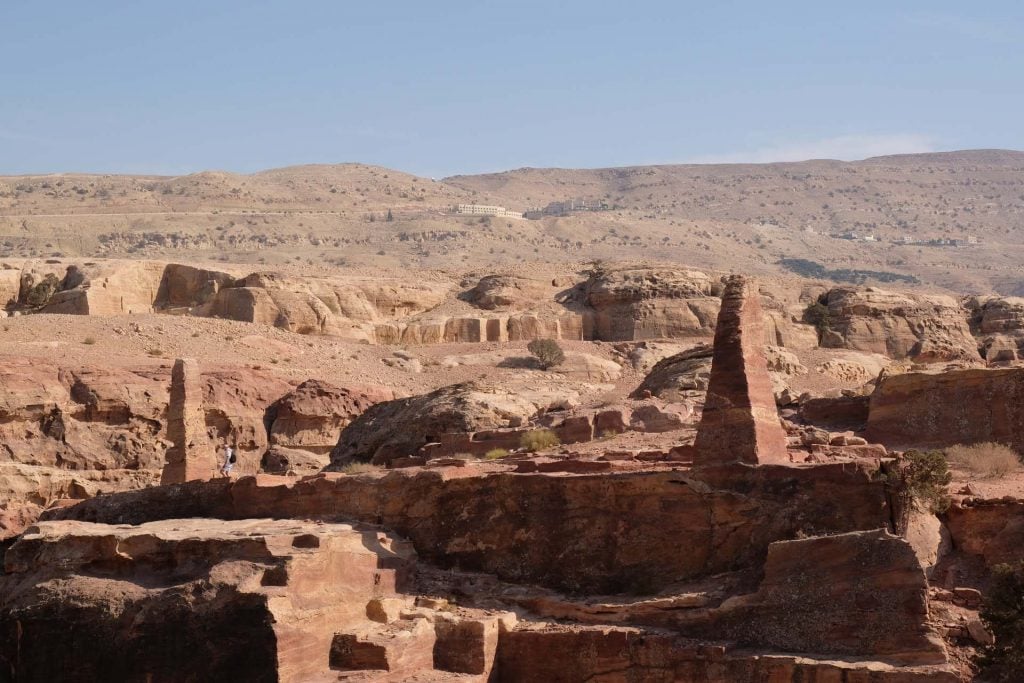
(949, 219)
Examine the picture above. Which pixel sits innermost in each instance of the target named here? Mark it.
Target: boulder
(652, 417)
(783, 362)
(587, 367)
(509, 292)
(293, 461)
(311, 416)
(855, 593)
(649, 303)
(926, 328)
(678, 378)
(457, 409)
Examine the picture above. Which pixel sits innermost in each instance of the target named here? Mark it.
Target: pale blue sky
(440, 87)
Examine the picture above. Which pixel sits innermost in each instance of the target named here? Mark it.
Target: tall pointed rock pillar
(191, 455)
(740, 421)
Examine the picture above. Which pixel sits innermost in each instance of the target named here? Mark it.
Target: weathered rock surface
(853, 368)
(836, 413)
(457, 409)
(26, 490)
(551, 653)
(599, 533)
(998, 322)
(844, 594)
(312, 416)
(926, 328)
(934, 410)
(254, 600)
(109, 426)
(740, 421)
(647, 303)
(509, 292)
(345, 308)
(990, 529)
(682, 377)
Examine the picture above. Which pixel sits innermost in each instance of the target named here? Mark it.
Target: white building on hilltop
(485, 210)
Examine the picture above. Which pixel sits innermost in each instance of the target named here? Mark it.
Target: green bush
(547, 352)
(1003, 614)
(918, 481)
(817, 314)
(927, 478)
(539, 439)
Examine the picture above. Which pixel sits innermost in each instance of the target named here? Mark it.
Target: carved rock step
(420, 639)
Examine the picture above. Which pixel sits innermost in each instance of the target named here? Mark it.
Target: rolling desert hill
(952, 220)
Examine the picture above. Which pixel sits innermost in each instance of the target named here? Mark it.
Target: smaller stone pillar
(740, 422)
(191, 456)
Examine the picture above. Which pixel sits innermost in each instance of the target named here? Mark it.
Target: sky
(446, 87)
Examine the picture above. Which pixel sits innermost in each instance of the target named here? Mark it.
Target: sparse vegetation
(359, 468)
(547, 352)
(1003, 614)
(984, 459)
(817, 314)
(918, 481)
(89, 341)
(496, 454)
(539, 439)
(812, 269)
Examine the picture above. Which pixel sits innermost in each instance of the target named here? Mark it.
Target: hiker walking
(229, 460)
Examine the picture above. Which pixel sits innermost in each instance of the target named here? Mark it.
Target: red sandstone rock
(740, 421)
(934, 410)
(602, 532)
(254, 600)
(845, 594)
(990, 529)
(926, 328)
(191, 457)
(312, 416)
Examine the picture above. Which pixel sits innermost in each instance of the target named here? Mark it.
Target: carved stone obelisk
(740, 421)
(191, 456)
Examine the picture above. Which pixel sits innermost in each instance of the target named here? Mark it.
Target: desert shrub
(984, 459)
(496, 454)
(918, 481)
(358, 468)
(538, 439)
(547, 352)
(1003, 614)
(40, 293)
(817, 314)
(89, 341)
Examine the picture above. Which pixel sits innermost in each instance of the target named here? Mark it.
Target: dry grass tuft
(359, 468)
(984, 459)
(538, 440)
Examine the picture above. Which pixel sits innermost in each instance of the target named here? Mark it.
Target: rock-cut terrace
(742, 566)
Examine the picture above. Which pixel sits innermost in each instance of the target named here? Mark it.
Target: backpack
(231, 458)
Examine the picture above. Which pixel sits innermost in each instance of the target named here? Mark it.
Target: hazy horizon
(504, 170)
